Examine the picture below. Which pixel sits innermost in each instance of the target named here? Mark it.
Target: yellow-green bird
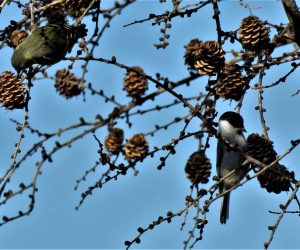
(46, 45)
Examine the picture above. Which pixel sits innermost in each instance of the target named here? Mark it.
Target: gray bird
(231, 127)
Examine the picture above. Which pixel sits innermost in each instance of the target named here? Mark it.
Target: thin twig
(280, 216)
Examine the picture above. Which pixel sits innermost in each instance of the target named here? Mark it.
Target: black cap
(235, 119)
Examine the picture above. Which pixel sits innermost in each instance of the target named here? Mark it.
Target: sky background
(112, 215)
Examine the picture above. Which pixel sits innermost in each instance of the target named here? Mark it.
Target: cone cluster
(12, 92)
(190, 53)
(232, 84)
(209, 58)
(67, 84)
(135, 82)
(254, 35)
(54, 13)
(57, 13)
(113, 142)
(78, 4)
(75, 8)
(17, 37)
(136, 147)
(277, 178)
(198, 168)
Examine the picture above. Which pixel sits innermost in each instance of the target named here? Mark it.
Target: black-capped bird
(231, 127)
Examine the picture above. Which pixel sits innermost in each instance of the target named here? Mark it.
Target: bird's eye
(240, 131)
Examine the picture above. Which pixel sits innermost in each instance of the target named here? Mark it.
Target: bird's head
(231, 123)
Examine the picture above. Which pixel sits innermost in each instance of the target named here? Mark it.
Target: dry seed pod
(136, 147)
(135, 83)
(190, 53)
(232, 85)
(198, 168)
(209, 58)
(113, 142)
(253, 34)
(275, 179)
(67, 84)
(11, 91)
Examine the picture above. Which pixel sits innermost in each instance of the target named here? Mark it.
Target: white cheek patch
(231, 134)
(225, 127)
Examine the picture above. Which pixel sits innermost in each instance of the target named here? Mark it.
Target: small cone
(75, 8)
(232, 85)
(113, 142)
(275, 179)
(12, 92)
(55, 13)
(136, 147)
(67, 84)
(254, 35)
(78, 4)
(190, 53)
(198, 168)
(135, 83)
(209, 58)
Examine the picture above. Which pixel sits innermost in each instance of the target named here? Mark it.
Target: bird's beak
(244, 130)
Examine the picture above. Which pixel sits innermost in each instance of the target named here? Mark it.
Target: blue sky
(112, 215)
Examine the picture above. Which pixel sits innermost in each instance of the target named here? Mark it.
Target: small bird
(231, 127)
(46, 45)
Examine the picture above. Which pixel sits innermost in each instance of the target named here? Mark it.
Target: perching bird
(231, 127)
(46, 45)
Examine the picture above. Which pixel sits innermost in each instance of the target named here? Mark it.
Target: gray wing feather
(219, 160)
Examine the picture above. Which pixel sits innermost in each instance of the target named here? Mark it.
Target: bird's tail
(224, 214)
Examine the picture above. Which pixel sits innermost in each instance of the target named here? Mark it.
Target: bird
(46, 45)
(230, 128)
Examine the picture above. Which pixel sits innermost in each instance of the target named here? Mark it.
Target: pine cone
(209, 58)
(75, 8)
(136, 147)
(12, 93)
(275, 179)
(67, 84)
(78, 4)
(198, 168)
(17, 37)
(232, 84)
(55, 13)
(135, 84)
(190, 53)
(113, 142)
(253, 34)
(260, 148)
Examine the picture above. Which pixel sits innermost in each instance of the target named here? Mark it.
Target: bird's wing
(219, 160)
(41, 43)
(242, 143)
(55, 36)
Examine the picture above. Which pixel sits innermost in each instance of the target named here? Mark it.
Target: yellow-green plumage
(46, 45)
